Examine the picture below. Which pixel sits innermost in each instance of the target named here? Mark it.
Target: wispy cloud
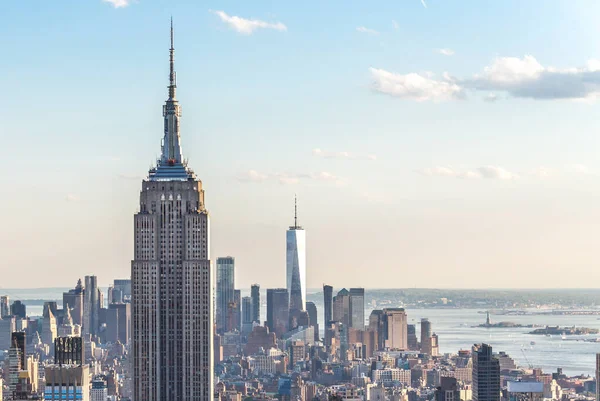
(287, 178)
(248, 26)
(72, 198)
(395, 24)
(490, 97)
(415, 86)
(342, 155)
(445, 52)
(118, 3)
(491, 172)
(424, 4)
(518, 77)
(367, 30)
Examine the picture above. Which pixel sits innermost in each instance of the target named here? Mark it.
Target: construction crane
(526, 360)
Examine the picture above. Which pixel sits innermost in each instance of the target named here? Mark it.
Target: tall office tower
(597, 377)
(278, 311)
(425, 336)
(49, 327)
(123, 287)
(225, 292)
(67, 382)
(296, 263)
(91, 306)
(377, 324)
(434, 345)
(486, 374)
(18, 310)
(236, 311)
(327, 303)
(99, 391)
(16, 360)
(171, 279)
(357, 308)
(341, 307)
(4, 306)
(411, 332)
(255, 294)
(74, 298)
(7, 327)
(396, 328)
(123, 321)
(311, 308)
(247, 310)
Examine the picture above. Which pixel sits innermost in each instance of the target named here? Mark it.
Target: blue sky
(454, 138)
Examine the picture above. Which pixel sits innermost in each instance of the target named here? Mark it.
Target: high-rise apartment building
(396, 329)
(278, 311)
(225, 293)
(486, 374)
(172, 315)
(91, 306)
(74, 298)
(357, 308)
(255, 294)
(247, 310)
(296, 264)
(235, 311)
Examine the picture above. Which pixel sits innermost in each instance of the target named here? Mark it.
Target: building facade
(172, 314)
(278, 311)
(225, 293)
(396, 329)
(255, 294)
(296, 264)
(486, 374)
(91, 306)
(357, 308)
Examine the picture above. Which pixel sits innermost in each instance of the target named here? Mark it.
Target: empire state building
(171, 275)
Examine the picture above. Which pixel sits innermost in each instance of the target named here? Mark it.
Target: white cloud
(248, 26)
(415, 86)
(446, 52)
(118, 3)
(492, 172)
(252, 176)
(341, 155)
(395, 24)
(490, 97)
(289, 178)
(527, 78)
(367, 30)
(72, 198)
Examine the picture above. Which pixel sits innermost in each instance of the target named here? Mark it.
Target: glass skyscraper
(296, 264)
(225, 292)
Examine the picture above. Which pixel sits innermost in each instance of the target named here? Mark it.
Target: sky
(430, 143)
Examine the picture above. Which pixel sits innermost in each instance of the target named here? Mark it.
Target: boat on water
(563, 336)
(532, 343)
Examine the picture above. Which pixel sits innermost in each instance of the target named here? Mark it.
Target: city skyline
(490, 168)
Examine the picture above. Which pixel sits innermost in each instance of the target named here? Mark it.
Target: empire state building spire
(172, 74)
(171, 145)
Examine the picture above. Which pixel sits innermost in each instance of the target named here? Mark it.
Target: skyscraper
(172, 331)
(18, 310)
(396, 328)
(296, 264)
(91, 306)
(327, 303)
(225, 292)
(425, 336)
(357, 308)
(278, 311)
(255, 294)
(4, 306)
(486, 374)
(341, 307)
(311, 308)
(74, 298)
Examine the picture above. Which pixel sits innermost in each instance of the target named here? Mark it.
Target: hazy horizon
(431, 144)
